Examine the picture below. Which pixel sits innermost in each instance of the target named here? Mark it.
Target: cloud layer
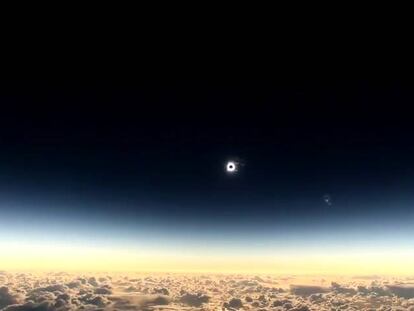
(66, 292)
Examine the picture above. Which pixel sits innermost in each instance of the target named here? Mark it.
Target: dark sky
(156, 150)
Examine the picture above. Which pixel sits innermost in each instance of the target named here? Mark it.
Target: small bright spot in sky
(328, 200)
(231, 167)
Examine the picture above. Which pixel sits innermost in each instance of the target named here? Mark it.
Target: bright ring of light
(231, 167)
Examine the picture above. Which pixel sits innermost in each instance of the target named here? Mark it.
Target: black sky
(159, 147)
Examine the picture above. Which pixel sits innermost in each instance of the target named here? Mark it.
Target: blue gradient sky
(142, 167)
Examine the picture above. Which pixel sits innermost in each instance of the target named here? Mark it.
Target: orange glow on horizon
(17, 256)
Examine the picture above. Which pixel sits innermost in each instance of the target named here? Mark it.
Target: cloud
(6, 298)
(281, 302)
(139, 303)
(162, 291)
(103, 291)
(404, 291)
(194, 300)
(336, 287)
(74, 284)
(95, 300)
(30, 306)
(92, 281)
(234, 303)
(52, 288)
(71, 292)
(156, 300)
(306, 290)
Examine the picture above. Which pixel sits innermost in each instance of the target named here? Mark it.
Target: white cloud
(65, 292)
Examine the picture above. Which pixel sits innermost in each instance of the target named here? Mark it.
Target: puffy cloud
(131, 289)
(306, 290)
(405, 291)
(30, 306)
(69, 292)
(103, 290)
(156, 300)
(343, 290)
(234, 303)
(52, 288)
(139, 303)
(162, 291)
(378, 291)
(74, 284)
(95, 300)
(6, 298)
(280, 303)
(194, 300)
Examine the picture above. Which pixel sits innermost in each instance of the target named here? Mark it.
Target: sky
(131, 176)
